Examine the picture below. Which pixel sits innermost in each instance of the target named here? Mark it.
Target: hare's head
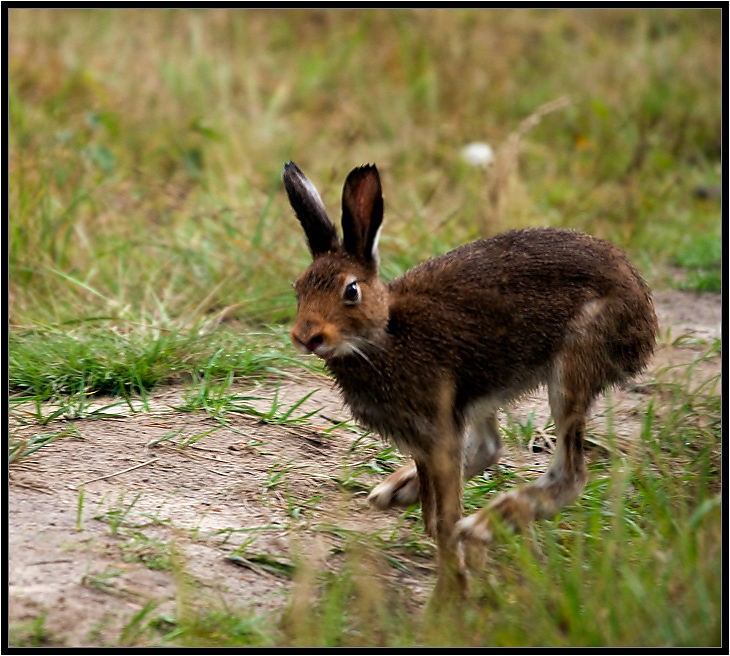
(342, 306)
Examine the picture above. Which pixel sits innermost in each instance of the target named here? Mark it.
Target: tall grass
(145, 146)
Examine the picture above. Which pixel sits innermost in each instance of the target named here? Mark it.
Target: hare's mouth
(331, 351)
(325, 352)
(323, 348)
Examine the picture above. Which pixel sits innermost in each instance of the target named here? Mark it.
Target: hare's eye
(351, 295)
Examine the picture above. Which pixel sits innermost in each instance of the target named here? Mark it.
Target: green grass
(56, 362)
(33, 633)
(19, 447)
(145, 187)
(150, 241)
(701, 258)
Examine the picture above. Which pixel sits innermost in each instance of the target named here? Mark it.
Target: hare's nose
(305, 343)
(314, 342)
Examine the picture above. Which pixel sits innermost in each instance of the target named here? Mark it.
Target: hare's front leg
(440, 478)
(482, 448)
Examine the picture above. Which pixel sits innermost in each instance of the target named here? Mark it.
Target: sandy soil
(280, 487)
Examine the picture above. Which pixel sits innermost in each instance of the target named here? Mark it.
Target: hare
(428, 359)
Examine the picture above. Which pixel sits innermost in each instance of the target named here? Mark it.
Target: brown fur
(427, 359)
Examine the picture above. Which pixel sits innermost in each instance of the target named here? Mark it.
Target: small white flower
(478, 153)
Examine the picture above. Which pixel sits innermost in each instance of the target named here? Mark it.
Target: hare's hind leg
(572, 385)
(482, 448)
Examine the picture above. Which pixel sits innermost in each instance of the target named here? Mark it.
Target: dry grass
(146, 145)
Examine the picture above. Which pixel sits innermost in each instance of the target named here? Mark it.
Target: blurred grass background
(146, 145)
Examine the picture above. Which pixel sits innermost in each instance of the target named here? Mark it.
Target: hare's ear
(303, 197)
(362, 214)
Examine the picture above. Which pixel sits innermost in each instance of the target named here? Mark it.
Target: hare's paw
(510, 510)
(399, 489)
(471, 536)
(474, 528)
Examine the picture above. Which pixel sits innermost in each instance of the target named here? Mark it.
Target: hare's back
(535, 264)
(507, 303)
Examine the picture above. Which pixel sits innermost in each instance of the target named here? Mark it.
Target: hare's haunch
(428, 359)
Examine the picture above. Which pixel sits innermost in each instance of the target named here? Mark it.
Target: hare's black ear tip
(365, 171)
(292, 173)
(289, 166)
